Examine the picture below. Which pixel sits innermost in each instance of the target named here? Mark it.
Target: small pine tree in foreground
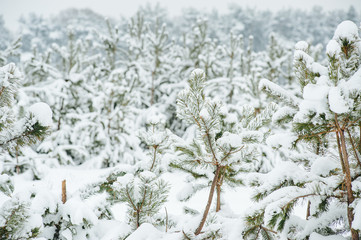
(221, 148)
(15, 221)
(327, 118)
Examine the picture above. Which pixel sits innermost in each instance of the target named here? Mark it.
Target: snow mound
(357, 220)
(337, 103)
(7, 73)
(301, 45)
(111, 229)
(146, 231)
(322, 166)
(231, 140)
(42, 113)
(346, 30)
(333, 48)
(198, 72)
(281, 140)
(316, 236)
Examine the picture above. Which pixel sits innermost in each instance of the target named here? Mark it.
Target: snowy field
(238, 124)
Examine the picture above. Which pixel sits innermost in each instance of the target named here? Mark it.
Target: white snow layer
(316, 236)
(281, 140)
(323, 165)
(42, 113)
(356, 224)
(198, 72)
(8, 72)
(315, 100)
(333, 48)
(346, 30)
(301, 45)
(147, 231)
(337, 103)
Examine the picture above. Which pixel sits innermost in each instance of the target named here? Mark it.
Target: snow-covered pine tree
(158, 45)
(328, 118)
(15, 131)
(62, 77)
(251, 67)
(278, 67)
(16, 220)
(228, 85)
(110, 44)
(199, 49)
(144, 191)
(221, 148)
(11, 50)
(140, 185)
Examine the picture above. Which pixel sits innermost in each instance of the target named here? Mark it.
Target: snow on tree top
(315, 100)
(197, 72)
(353, 84)
(124, 180)
(42, 113)
(7, 73)
(333, 48)
(346, 30)
(301, 45)
(230, 139)
(148, 175)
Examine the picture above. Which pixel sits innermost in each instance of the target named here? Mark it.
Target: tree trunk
(218, 207)
(219, 185)
(210, 197)
(348, 181)
(138, 219)
(63, 191)
(308, 213)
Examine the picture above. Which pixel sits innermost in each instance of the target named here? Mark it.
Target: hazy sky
(13, 9)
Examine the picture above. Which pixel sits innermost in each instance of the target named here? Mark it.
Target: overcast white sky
(13, 9)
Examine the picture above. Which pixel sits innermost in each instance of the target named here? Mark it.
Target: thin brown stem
(308, 213)
(209, 202)
(268, 230)
(298, 197)
(218, 205)
(348, 180)
(340, 152)
(63, 191)
(2, 90)
(154, 156)
(130, 199)
(209, 141)
(316, 134)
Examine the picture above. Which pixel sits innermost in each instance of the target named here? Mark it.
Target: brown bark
(348, 181)
(210, 197)
(308, 213)
(218, 189)
(218, 206)
(63, 191)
